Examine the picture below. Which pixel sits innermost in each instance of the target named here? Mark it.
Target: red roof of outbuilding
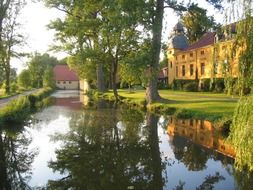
(205, 40)
(63, 73)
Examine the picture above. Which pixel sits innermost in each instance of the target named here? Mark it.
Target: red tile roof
(205, 40)
(63, 73)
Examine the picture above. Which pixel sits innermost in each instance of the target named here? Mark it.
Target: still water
(69, 146)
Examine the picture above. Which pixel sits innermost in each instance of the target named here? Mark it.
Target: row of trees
(39, 72)
(101, 35)
(10, 38)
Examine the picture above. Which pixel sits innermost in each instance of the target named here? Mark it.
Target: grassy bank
(199, 105)
(19, 109)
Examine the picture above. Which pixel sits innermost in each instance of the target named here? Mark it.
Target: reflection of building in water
(70, 102)
(200, 132)
(84, 98)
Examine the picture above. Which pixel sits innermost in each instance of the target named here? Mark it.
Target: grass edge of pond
(221, 121)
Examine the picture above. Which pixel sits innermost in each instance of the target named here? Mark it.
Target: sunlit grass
(201, 104)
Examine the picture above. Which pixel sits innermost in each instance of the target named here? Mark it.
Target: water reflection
(200, 132)
(109, 154)
(100, 147)
(15, 159)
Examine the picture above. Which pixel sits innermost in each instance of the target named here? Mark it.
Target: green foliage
(190, 87)
(41, 66)
(13, 87)
(197, 22)
(15, 111)
(39, 96)
(218, 85)
(48, 78)
(206, 84)
(19, 109)
(186, 85)
(241, 135)
(243, 44)
(24, 79)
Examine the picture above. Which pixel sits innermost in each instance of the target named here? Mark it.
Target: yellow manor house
(203, 62)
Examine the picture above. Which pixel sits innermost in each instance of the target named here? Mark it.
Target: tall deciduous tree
(78, 34)
(107, 32)
(38, 65)
(155, 26)
(241, 130)
(24, 79)
(197, 22)
(9, 36)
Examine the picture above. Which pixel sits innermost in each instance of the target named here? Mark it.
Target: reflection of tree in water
(15, 160)
(192, 155)
(244, 179)
(101, 153)
(210, 181)
(207, 184)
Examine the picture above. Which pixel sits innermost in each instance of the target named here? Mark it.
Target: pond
(69, 146)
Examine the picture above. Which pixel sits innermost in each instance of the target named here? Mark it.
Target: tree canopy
(197, 22)
(40, 65)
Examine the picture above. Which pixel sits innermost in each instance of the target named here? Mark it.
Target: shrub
(16, 110)
(13, 87)
(38, 96)
(191, 87)
(19, 109)
(186, 85)
(219, 85)
(205, 85)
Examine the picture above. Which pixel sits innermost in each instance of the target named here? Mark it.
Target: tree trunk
(157, 181)
(4, 183)
(7, 78)
(114, 78)
(100, 78)
(152, 91)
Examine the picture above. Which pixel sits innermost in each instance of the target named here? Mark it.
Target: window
(191, 54)
(58, 82)
(171, 64)
(202, 52)
(183, 70)
(202, 68)
(64, 82)
(70, 82)
(183, 56)
(191, 69)
(176, 57)
(176, 71)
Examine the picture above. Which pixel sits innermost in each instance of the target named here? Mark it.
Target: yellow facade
(200, 132)
(211, 60)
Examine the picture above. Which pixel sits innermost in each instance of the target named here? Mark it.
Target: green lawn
(201, 105)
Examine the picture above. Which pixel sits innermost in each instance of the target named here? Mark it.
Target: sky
(35, 17)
